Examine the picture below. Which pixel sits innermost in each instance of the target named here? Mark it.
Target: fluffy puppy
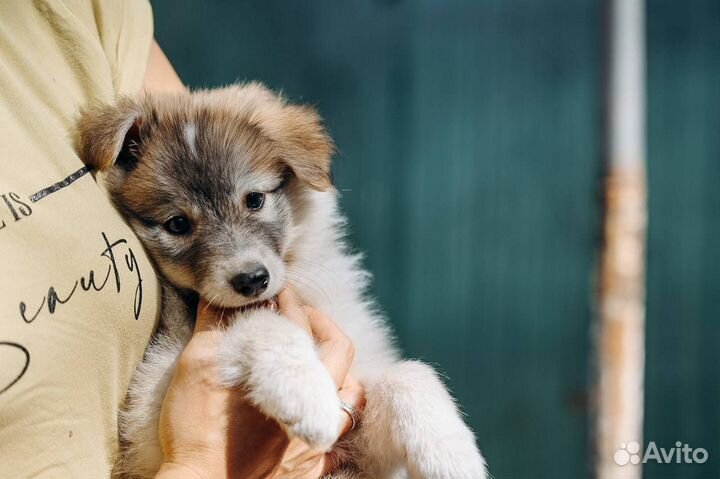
(230, 192)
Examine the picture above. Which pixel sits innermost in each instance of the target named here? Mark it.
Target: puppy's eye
(254, 200)
(178, 225)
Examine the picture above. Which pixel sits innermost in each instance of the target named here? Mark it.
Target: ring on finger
(352, 412)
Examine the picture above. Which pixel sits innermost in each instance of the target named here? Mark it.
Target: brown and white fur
(199, 156)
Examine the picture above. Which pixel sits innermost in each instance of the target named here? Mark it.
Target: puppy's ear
(306, 146)
(110, 135)
(297, 131)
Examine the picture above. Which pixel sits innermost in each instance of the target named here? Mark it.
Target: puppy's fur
(198, 155)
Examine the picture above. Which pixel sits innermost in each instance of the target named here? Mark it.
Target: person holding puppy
(79, 296)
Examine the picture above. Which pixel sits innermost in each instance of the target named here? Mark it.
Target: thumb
(208, 317)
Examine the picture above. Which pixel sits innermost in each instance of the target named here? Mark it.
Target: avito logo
(629, 453)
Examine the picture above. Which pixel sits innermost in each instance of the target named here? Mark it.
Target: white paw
(425, 424)
(318, 423)
(276, 362)
(303, 398)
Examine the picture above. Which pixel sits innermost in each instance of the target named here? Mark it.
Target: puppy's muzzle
(250, 284)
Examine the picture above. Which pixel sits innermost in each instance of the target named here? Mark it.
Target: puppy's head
(213, 182)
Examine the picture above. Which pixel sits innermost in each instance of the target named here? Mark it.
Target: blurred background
(470, 158)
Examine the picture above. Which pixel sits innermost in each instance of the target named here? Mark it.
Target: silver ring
(352, 412)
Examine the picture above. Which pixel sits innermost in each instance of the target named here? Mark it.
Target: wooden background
(683, 330)
(470, 149)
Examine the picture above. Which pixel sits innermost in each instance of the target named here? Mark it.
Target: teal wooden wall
(469, 138)
(683, 328)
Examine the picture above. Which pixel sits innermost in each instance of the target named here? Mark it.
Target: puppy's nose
(251, 283)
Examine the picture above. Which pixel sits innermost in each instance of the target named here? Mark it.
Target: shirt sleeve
(126, 33)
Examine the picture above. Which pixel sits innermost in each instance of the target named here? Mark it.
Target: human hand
(209, 431)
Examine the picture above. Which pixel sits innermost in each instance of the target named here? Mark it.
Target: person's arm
(160, 76)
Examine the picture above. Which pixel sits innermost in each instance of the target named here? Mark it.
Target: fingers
(336, 351)
(323, 328)
(207, 317)
(290, 306)
(352, 393)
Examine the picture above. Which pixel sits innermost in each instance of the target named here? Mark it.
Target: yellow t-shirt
(78, 296)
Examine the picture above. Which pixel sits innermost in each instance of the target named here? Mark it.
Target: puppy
(230, 192)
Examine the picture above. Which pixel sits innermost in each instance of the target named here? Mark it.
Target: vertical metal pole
(621, 300)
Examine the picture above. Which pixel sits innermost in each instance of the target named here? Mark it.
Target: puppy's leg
(276, 362)
(411, 418)
(141, 454)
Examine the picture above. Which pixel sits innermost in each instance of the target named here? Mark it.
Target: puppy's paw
(318, 423)
(423, 426)
(276, 362)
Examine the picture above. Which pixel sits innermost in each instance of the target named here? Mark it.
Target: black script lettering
(57, 296)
